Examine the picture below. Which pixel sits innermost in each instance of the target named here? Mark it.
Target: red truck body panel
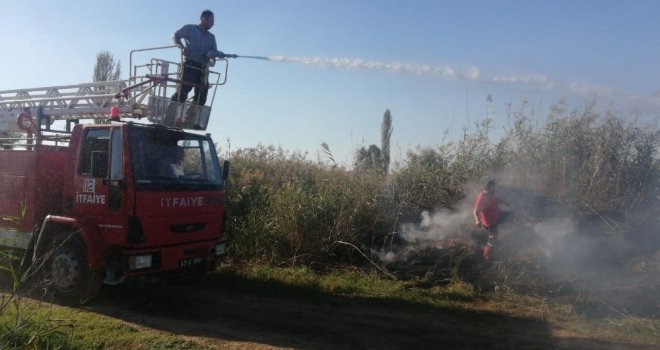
(169, 217)
(118, 210)
(30, 186)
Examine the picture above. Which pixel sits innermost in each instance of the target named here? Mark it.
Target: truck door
(99, 185)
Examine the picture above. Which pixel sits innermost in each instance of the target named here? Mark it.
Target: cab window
(94, 153)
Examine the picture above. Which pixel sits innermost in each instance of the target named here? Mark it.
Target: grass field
(325, 256)
(260, 307)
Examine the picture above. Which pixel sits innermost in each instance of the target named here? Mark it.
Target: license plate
(191, 261)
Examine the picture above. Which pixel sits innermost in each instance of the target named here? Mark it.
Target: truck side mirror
(225, 170)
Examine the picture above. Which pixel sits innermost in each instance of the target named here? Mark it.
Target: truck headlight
(139, 262)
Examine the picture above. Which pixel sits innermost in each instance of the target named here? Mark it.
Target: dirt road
(220, 312)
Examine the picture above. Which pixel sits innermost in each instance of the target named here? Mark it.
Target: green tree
(106, 68)
(368, 159)
(385, 135)
(374, 158)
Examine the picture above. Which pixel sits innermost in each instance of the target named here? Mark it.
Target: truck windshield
(165, 159)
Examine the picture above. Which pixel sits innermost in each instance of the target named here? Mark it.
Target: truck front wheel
(68, 274)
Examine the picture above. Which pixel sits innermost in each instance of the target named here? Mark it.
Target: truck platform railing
(145, 94)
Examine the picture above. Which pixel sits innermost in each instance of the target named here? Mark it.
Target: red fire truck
(100, 182)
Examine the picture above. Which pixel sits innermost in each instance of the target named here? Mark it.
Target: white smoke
(553, 233)
(434, 226)
(390, 257)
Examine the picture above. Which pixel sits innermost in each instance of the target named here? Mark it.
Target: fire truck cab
(122, 197)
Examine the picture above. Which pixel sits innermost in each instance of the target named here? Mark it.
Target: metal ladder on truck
(145, 94)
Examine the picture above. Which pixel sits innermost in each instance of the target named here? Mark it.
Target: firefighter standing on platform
(198, 47)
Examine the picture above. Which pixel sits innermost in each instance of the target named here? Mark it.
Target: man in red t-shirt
(487, 214)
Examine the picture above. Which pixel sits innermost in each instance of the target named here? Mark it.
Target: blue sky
(432, 63)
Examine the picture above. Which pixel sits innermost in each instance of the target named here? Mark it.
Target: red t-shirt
(489, 209)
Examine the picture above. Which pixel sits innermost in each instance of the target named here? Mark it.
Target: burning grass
(582, 251)
(584, 189)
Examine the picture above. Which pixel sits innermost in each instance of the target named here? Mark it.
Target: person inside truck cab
(173, 162)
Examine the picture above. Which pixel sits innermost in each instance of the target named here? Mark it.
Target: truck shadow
(226, 307)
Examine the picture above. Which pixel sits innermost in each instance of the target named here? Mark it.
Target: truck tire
(66, 273)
